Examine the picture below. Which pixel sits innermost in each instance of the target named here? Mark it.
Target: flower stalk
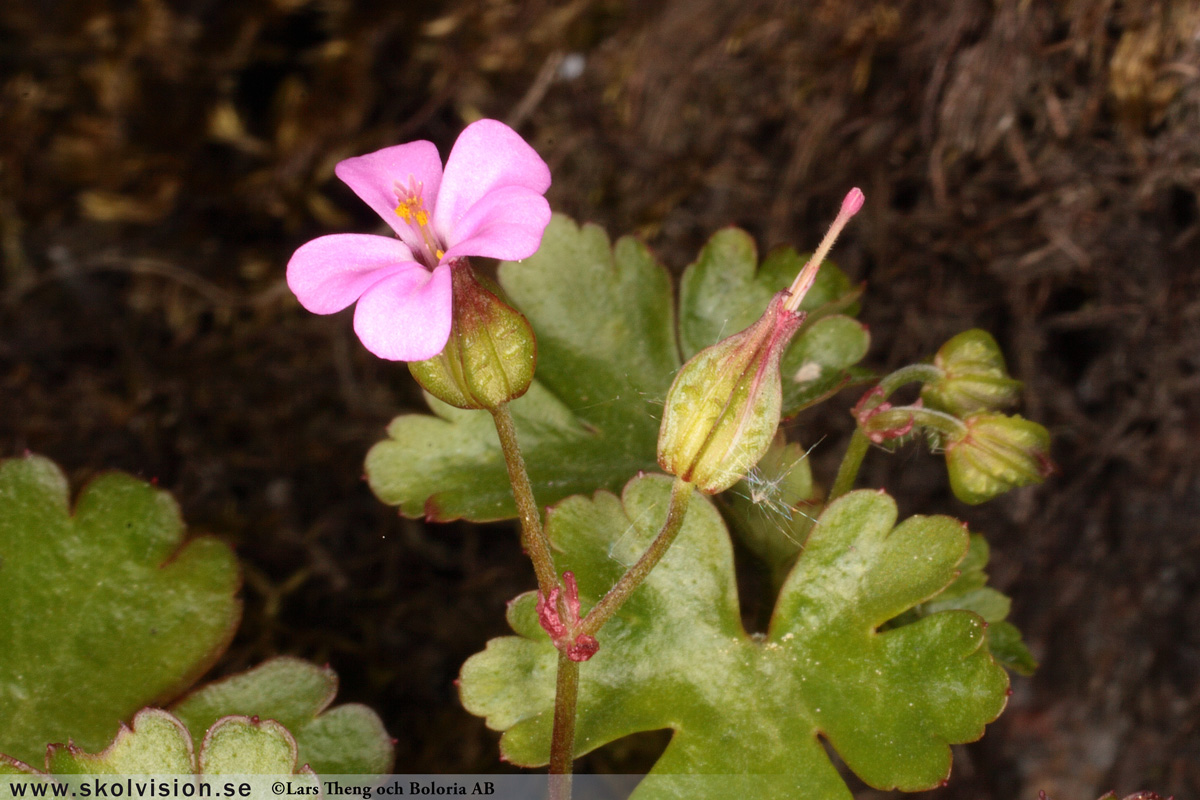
(874, 403)
(602, 612)
(533, 537)
(558, 613)
(562, 737)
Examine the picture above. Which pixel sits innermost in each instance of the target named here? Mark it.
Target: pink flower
(487, 203)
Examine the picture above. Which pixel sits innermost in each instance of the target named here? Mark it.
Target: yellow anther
(412, 210)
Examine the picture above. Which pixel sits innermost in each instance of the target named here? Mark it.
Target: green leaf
(106, 610)
(820, 362)
(726, 290)
(1004, 640)
(246, 746)
(607, 352)
(676, 655)
(158, 744)
(970, 592)
(347, 739)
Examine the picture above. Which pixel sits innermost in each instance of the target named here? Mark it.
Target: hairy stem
(562, 740)
(851, 462)
(926, 418)
(913, 373)
(856, 451)
(533, 538)
(681, 493)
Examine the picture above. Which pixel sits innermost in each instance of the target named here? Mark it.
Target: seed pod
(723, 408)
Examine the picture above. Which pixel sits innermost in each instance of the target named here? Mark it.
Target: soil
(1030, 167)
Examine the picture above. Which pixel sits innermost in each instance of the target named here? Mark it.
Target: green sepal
(974, 376)
(105, 609)
(890, 702)
(995, 453)
(490, 356)
(722, 410)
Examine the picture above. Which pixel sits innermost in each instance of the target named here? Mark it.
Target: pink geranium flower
(487, 203)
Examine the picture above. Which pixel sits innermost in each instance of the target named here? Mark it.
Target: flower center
(411, 209)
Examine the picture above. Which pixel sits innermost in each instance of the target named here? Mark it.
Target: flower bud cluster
(987, 452)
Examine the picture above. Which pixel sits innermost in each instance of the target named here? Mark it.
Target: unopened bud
(490, 355)
(995, 453)
(974, 376)
(723, 408)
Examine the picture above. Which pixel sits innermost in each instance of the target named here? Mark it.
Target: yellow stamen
(412, 209)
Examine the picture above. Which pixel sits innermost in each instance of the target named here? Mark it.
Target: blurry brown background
(1030, 167)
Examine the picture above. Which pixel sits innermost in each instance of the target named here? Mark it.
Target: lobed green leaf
(344, 740)
(106, 609)
(676, 656)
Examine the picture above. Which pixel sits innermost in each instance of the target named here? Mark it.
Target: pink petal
(406, 317)
(373, 178)
(488, 156)
(330, 273)
(507, 223)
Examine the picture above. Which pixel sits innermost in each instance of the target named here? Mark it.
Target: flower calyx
(723, 408)
(491, 352)
(974, 376)
(559, 617)
(995, 453)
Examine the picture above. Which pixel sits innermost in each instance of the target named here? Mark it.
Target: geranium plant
(634, 432)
